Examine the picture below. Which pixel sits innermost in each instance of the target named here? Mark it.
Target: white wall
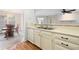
(56, 20)
(24, 17)
(19, 19)
(56, 15)
(29, 19)
(47, 12)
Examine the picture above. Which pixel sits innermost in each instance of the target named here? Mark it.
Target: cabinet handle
(61, 43)
(64, 38)
(65, 44)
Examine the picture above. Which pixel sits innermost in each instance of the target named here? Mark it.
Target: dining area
(9, 30)
(8, 37)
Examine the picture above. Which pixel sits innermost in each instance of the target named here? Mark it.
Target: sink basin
(48, 28)
(45, 28)
(39, 27)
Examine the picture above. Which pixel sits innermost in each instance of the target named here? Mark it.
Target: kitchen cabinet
(47, 40)
(67, 45)
(58, 47)
(31, 35)
(68, 38)
(45, 43)
(37, 37)
(40, 38)
(67, 42)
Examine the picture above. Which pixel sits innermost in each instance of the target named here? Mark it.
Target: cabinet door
(67, 44)
(30, 35)
(37, 37)
(46, 43)
(47, 40)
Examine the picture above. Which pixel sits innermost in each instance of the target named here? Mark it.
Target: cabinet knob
(65, 44)
(64, 38)
(61, 43)
(61, 37)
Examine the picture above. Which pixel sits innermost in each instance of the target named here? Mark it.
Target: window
(40, 20)
(2, 21)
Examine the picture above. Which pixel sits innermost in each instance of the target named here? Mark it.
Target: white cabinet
(46, 43)
(46, 40)
(57, 47)
(30, 35)
(42, 39)
(67, 45)
(68, 38)
(37, 37)
(67, 42)
(52, 41)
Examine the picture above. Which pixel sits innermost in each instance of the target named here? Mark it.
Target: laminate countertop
(63, 30)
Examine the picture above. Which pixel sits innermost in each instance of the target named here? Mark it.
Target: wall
(25, 19)
(18, 13)
(47, 12)
(56, 15)
(56, 20)
(29, 19)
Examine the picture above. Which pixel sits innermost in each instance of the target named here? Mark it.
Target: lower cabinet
(46, 44)
(66, 42)
(58, 47)
(37, 37)
(67, 45)
(47, 40)
(40, 38)
(31, 35)
(52, 41)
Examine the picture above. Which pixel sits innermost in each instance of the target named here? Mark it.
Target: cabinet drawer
(36, 33)
(57, 47)
(71, 39)
(47, 35)
(67, 45)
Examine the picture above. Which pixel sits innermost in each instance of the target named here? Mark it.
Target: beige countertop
(63, 30)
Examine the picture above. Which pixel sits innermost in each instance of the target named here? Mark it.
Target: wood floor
(26, 46)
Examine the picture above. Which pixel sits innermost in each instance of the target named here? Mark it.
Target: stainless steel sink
(48, 28)
(45, 28)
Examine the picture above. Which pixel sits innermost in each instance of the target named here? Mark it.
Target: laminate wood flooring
(26, 46)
